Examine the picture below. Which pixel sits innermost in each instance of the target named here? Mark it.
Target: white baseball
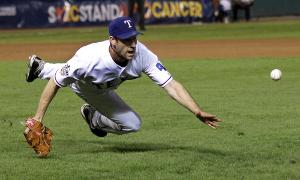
(276, 74)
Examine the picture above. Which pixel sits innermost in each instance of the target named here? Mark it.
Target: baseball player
(97, 69)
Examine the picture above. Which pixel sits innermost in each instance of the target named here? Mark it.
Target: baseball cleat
(35, 66)
(87, 112)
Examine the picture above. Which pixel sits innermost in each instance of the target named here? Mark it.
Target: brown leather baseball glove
(38, 136)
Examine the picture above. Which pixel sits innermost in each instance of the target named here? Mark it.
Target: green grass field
(288, 29)
(259, 138)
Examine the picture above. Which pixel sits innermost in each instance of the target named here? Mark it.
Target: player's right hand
(208, 119)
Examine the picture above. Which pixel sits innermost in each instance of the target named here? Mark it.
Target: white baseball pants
(112, 113)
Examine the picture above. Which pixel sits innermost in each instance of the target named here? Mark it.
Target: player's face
(126, 47)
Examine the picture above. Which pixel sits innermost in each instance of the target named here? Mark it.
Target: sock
(102, 122)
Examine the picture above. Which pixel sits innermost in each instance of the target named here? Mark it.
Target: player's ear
(112, 40)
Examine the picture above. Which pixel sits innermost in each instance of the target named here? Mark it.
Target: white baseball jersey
(93, 67)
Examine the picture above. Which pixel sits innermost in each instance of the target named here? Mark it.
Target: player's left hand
(38, 136)
(208, 119)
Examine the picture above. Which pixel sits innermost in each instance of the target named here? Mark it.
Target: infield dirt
(168, 49)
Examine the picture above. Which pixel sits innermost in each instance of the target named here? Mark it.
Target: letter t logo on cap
(128, 23)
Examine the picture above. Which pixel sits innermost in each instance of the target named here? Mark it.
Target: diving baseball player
(98, 68)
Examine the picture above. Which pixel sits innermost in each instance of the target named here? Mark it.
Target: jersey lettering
(160, 67)
(109, 84)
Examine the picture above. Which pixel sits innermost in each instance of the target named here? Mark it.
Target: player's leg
(49, 70)
(141, 11)
(235, 9)
(35, 65)
(87, 112)
(109, 113)
(131, 8)
(38, 68)
(247, 13)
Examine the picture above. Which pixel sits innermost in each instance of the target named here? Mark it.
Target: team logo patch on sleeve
(65, 70)
(160, 67)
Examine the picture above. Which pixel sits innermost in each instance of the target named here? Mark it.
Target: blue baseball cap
(122, 28)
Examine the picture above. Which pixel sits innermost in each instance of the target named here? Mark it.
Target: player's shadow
(132, 147)
(136, 147)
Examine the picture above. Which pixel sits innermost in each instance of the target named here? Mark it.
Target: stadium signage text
(61, 13)
(84, 13)
(169, 9)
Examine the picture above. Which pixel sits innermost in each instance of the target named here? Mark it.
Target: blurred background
(66, 13)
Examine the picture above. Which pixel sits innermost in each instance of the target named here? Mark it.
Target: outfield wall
(54, 13)
(61, 13)
(268, 8)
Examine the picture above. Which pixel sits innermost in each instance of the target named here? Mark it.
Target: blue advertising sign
(60, 13)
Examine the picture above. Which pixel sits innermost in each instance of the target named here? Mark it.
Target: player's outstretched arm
(48, 94)
(181, 95)
(37, 135)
